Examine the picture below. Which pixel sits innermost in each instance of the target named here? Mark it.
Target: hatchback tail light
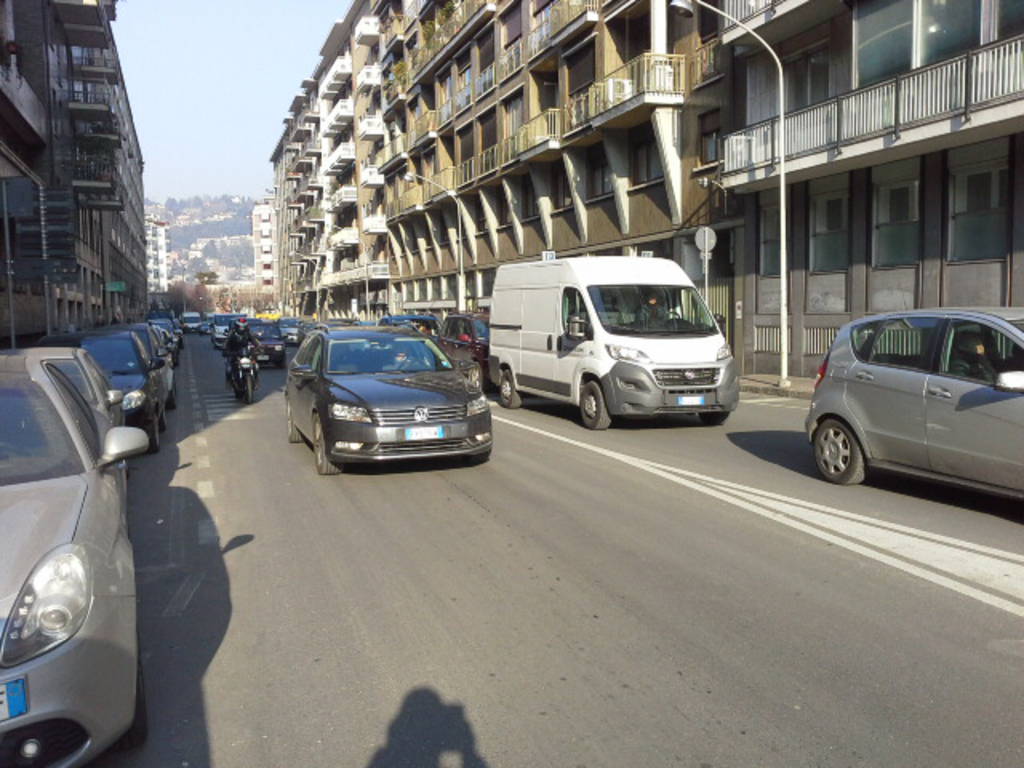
(822, 371)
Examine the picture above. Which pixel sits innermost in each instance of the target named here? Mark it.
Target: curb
(771, 389)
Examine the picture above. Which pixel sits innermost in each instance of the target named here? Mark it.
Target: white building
(264, 222)
(156, 255)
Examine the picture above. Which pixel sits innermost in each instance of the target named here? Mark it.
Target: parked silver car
(70, 679)
(933, 393)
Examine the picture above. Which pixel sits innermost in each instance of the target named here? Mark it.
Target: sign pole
(10, 263)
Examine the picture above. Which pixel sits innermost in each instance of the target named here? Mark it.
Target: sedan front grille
(686, 377)
(391, 418)
(423, 446)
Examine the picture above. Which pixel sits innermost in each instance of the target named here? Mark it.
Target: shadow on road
(427, 733)
(786, 448)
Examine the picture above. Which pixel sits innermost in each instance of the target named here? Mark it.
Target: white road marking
(202, 462)
(205, 489)
(201, 442)
(941, 560)
(184, 594)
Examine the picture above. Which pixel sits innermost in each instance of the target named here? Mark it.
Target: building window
(709, 21)
(528, 198)
(267, 248)
(513, 115)
(896, 211)
(1011, 18)
(885, 39)
(710, 127)
(768, 245)
(646, 163)
(946, 28)
(599, 174)
(513, 24)
(581, 68)
(979, 202)
(830, 224)
(807, 79)
(561, 193)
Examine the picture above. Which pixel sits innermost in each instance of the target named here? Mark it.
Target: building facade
(67, 136)
(157, 245)
(264, 246)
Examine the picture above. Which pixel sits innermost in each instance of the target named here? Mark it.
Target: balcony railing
(424, 124)
(343, 237)
(489, 159)
(410, 198)
(336, 76)
(746, 9)
(392, 29)
(485, 82)
(375, 224)
(649, 74)
(94, 168)
(342, 157)
(448, 31)
(367, 30)
(445, 112)
(341, 114)
(553, 19)
(467, 171)
(547, 126)
(511, 60)
(396, 85)
(371, 176)
(89, 93)
(368, 76)
(371, 125)
(706, 62)
(464, 97)
(93, 57)
(445, 180)
(979, 78)
(342, 197)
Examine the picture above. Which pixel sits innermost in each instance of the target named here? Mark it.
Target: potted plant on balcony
(400, 71)
(428, 28)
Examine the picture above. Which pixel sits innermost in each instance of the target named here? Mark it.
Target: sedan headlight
(133, 400)
(477, 405)
(627, 354)
(724, 353)
(51, 607)
(344, 412)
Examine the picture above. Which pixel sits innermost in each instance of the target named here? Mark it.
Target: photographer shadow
(427, 733)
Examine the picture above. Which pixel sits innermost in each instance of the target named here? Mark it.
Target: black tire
(838, 454)
(324, 465)
(162, 423)
(172, 399)
(593, 410)
(476, 459)
(138, 731)
(250, 390)
(153, 432)
(507, 394)
(294, 436)
(713, 418)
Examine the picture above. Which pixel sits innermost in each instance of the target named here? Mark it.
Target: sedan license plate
(424, 433)
(13, 699)
(262, 357)
(690, 400)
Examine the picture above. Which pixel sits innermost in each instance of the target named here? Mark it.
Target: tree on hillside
(207, 278)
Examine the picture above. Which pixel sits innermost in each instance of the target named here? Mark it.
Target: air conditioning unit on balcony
(618, 89)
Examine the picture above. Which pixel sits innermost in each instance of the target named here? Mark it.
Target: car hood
(403, 390)
(128, 382)
(35, 518)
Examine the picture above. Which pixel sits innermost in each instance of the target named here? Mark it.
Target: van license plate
(424, 433)
(690, 400)
(13, 701)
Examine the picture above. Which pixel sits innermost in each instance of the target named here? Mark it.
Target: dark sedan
(427, 324)
(130, 369)
(378, 394)
(271, 340)
(467, 337)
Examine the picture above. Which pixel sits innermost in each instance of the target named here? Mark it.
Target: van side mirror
(1010, 381)
(720, 319)
(578, 327)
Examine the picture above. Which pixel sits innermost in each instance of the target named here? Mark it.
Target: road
(654, 595)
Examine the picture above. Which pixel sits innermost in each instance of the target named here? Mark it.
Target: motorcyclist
(237, 344)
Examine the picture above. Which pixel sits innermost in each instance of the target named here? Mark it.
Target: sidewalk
(768, 384)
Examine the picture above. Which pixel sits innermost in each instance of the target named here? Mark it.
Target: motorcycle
(245, 376)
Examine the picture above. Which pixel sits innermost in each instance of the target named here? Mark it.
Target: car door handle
(865, 376)
(940, 392)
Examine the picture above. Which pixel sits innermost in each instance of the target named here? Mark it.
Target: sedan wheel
(324, 465)
(838, 454)
(293, 433)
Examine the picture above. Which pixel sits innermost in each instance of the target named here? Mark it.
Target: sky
(210, 82)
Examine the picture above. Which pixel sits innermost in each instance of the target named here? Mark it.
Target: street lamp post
(686, 8)
(461, 287)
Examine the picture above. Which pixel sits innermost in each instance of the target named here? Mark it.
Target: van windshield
(652, 310)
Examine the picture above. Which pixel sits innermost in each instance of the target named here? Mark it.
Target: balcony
(311, 147)
(339, 73)
(93, 171)
(371, 176)
(445, 112)
(95, 65)
(538, 140)
(485, 82)
(342, 198)
(375, 224)
(371, 127)
(777, 19)
(340, 117)
(342, 158)
(396, 87)
(557, 21)
(393, 31)
(463, 22)
(375, 270)
(368, 77)
(982, 87)
(444, 183)
(706, 63)
(85, 22)
(464, 97)
(367, 30)
(392, 151)
(89, 101)
(423, 127)
(511, 60)
(467, 172)
(343, 237)
(411, 200)
(489, 159)
(624, 97)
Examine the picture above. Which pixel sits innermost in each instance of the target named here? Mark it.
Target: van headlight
(133, 400)
(51, 607)
(477, 405)
(344, 412)
(627, 354)
(724, 352)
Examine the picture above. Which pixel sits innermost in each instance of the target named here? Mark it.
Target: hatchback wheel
(838, 454)
(324, 465)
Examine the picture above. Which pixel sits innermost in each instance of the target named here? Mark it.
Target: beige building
(264, 246)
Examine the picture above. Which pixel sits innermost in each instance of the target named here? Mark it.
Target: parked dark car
(467, 337)
(176, 330)
(271, 349)
(154, 340)
(431, 323)
(289, 329)
(130, 369)
(380, 394)
(333, 323)
(305, 327)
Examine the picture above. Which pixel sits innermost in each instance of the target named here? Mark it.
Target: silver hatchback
(933, 393)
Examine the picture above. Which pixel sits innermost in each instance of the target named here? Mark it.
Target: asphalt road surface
(655, 595)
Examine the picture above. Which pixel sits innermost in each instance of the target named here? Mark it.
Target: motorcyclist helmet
(240, 324)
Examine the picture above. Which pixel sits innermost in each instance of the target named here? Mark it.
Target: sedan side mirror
(302, 371)
(122, 442)
(578, 327)
(471, 370)
(1010, 381)
(114, 397)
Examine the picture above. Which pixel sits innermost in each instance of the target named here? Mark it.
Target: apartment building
(157, 242)
(67, 135)
(905, 162)
(264, 250)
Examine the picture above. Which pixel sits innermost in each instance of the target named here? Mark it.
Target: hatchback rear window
(34, 443)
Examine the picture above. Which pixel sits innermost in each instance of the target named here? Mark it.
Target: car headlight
(477, 405)
(51, 607)
(344, 412)
(133, 400)
(724, 353)
(628, 354)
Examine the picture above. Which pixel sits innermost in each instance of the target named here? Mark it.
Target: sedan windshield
(115, 354)
(34, 443)
(267, 332)
(652, 310)
(388, 355)
(225, 319)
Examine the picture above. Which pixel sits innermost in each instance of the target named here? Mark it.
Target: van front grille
(686, 377)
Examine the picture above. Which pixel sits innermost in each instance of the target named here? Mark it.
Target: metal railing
(984, 76)
(553, 19)
(410, 198)
(467, 171)
(424, 123)
(93, 57)
(368, 76)
(390, 151)
(396, 85)
(93, 167)
(464, 97)
(368, 26)
(746, 9)
(392, 27)
(706, 62)
(444, 181)
(485, 82)
(336, 75)
(447, 31)
(344, 154)
(346, 195)
(444, 112)
(489, 160)
(647, 74)
(511, 60)
(90, 93)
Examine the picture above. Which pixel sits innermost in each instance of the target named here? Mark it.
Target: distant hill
(193, 218)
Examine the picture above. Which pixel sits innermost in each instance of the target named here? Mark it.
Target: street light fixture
(460, 293)
(685, 7)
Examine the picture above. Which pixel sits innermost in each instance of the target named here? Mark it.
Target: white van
(617, 336)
